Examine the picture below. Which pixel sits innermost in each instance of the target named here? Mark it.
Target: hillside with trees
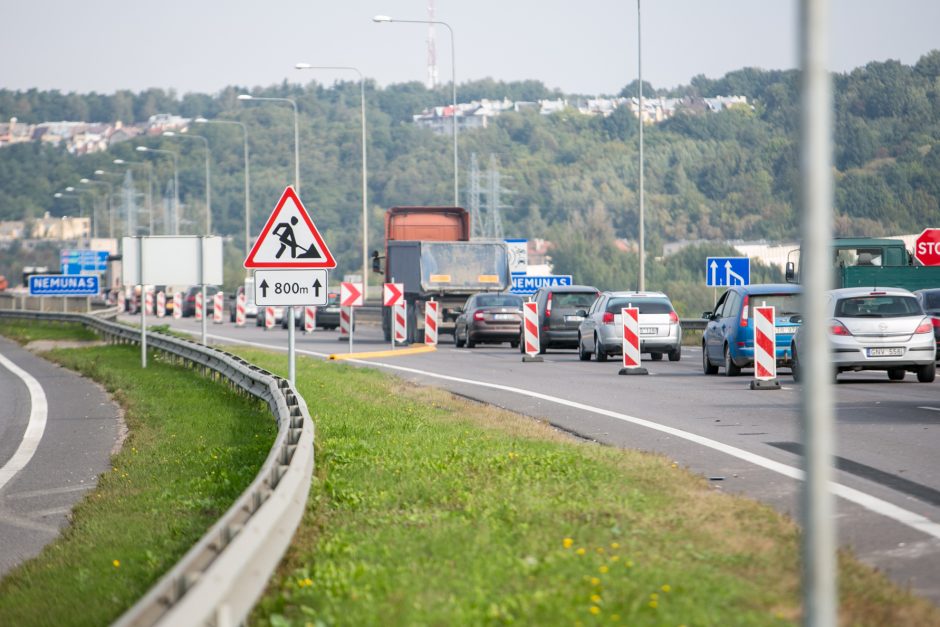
(571, 178)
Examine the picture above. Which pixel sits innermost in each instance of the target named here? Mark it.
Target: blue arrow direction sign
(83, 261)
(727, 271)
(63, 285)
(523, 284)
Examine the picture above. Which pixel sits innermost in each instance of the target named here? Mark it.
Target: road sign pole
(352, 326)
(290, 345)
(143, 310)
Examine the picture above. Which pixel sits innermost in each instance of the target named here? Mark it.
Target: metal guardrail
(219, 579)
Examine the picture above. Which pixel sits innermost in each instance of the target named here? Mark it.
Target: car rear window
(645, 305)
(497, 300)
(783, 304)
(575, 300)
(877, 307)
(932, 300)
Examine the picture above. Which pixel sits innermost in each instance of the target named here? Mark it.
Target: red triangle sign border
(327, 262)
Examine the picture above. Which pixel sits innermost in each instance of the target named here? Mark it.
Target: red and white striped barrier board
(344, 315)
(630, 319)
(268, 317)
(240, 302)
(430, 323)
(530, 323)
(148, 300)
(198, 314)
(310, 318)
(218, 304)
(399, 319)
(177, 305)
(765, 349)
(161, 304)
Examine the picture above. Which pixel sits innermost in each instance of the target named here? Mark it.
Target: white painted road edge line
(869, 502)
(38, 412)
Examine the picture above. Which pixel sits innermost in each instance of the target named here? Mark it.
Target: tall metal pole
(247, 176)
(149, 167)
(384, 19)
(817, 414)
(110, 210)
(365, 167)
(205, 142)
(176, 184)
(642, 235)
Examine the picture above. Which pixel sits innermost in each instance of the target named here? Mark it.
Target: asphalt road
(57, 431)
(743, 441)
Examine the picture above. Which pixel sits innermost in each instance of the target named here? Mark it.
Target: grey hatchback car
(559, 317)
(601, 331)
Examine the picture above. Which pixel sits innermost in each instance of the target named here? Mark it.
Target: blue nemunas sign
(524, 284)
(63, 285)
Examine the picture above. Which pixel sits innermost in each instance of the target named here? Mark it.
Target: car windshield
(783, 304)
(932, 300)
(877, 307)
(645, 305)
(499, 300)
(574, 300)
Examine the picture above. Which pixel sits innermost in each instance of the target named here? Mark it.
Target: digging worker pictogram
(285, 233)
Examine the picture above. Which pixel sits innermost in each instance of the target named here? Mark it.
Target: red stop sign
(927, 247)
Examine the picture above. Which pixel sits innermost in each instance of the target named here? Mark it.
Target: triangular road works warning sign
(290, 239)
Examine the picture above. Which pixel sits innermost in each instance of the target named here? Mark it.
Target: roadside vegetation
(428, 509)
(193, 446)
(26, 331)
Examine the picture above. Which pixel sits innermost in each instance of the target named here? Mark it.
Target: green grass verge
(26, 331)
(430, 510)
(194, 445)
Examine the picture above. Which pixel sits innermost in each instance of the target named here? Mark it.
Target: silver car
(873, 328)
(601, 331)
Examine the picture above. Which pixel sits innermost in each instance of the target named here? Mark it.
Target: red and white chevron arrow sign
(392, 293)
(350, 294)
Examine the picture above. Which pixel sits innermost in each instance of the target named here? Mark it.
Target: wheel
(514, 344)
(470, 342)
(795, 367)
(731, 370)
(521, 344)
(675, 355)
(457, 341)
(926, 374)
(599, 353)
(583, 355)
(707, 366)
(896, 374)
(656, 356)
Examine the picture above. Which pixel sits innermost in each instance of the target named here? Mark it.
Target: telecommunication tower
(432, 50)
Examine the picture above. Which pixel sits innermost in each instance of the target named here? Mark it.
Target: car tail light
(837, 328)
(477, 315)
(744, 310)
(608, 318)
(926, 325)
(673, 317)
(548, 305)
(935, 322)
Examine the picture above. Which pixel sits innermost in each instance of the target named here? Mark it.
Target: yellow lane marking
(411, 350)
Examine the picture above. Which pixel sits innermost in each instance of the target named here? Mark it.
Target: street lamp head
(84, 181)
(302, 66)
(142, 149)
(169, 134)
(245, 97)
(119, 162)
(382, 18)
(99, 172)
(70, 189)
(200, 120)
(57, 195)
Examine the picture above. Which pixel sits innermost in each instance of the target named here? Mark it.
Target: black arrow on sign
(316, 288)
(264, 288)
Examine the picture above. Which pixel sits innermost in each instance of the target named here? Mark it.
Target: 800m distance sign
(284, 288)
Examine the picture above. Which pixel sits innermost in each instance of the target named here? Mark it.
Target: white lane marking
(38, 412)
(930, 408)
(869, 502)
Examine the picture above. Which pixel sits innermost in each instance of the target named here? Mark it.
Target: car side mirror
(707, 315)
(790, 272)
(376, 262)
(581, 312)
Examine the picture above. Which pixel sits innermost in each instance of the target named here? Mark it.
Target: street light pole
(176, 184)
(384, 19)
(247, 178)
(365, 167)
(110, 212)
(208, 186)
(642, 235)
(245, 97)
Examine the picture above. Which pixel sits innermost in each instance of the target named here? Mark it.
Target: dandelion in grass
(580, 551)
(614, 558)
(603, 569)
(567, 542)
(614, 618)
(595, 581)
(654, 604)
(595, 598)
(666, 587)
(615, 545)
(595, 610)
(600, 550)
(116, 563)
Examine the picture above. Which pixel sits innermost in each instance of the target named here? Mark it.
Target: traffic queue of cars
(887, 329)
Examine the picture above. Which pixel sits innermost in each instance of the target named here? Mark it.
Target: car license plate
(785, 330)
(647, 330)
(894, 351)
(574, 318)
(504, 316)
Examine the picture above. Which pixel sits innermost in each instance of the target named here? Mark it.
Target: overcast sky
(587, 47)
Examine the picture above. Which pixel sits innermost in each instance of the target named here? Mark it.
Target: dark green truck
(872, 262)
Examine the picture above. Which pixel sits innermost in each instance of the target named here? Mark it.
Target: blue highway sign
(63, 285)
(83, 261)
(727, 271)
(523, 284)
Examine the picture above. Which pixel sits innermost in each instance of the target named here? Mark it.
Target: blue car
(728, 341)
